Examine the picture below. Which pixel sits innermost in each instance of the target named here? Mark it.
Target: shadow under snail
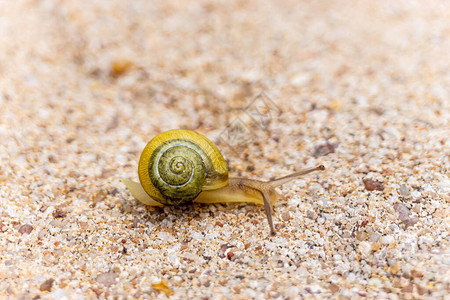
(180, 166)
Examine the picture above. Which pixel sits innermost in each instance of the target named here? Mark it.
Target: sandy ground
(362, 87)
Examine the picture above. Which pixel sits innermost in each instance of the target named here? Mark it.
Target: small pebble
(361, 235)
(404, 215)
(375, 282)
(444, 185)
(374, 237)
(120, 67)
(404, 190)
(107, 279)
(57, 213)
(365, 248)
(402, 210)
(311, 214)
(408, 289)
(416, 195)
(376, 246)
(411, 221)
(99, 197)
(324, 149)
(46, 286)
(163, 286)
(387, 239)
(25, 229)
(421, 290)
(164, 236)
(285, 216)
(416, 273)
(334, 288)
(372, 185)
(395, 268)
(59, 294)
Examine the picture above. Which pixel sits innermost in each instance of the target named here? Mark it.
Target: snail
(180, 166)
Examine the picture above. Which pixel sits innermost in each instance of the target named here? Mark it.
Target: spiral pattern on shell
(177, 165)
(178, 170)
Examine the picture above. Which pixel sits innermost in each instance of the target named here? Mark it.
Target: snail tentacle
(282, 180)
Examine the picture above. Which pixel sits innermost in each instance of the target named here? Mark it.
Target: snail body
(180, 166)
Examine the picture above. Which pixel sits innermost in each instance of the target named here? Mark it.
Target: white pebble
(374, 237)
(173, 258)
(416, 195)
(365, 248)
(425, 240)
(436, 204)
(164, 236)
(387, 239)
(444, 186)
(196, 235)
(251, 293)
(293, 292)
(59, 294)
(375, 282)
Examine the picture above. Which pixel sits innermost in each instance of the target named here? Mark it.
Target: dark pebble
(59, 213)
(25, 229)
(372, 185)
(46, 286)
(324, 149)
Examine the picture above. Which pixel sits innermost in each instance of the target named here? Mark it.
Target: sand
(362, 87)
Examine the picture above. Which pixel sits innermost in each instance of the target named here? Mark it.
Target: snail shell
(177, 165)
(180, 166)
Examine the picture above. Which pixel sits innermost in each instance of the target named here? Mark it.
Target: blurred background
(87, 70)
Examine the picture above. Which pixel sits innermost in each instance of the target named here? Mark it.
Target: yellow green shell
(177, 165)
